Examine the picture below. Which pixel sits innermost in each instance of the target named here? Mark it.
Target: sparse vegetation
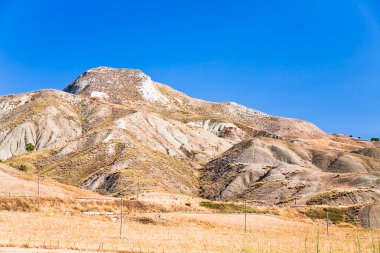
(30, 147)
(375, 139)
(234, 208)
(19, 166)
(336, 215)
(23, 168)
(223, 207)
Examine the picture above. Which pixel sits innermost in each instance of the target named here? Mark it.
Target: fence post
(121, 216)
(245, 227)
(38, 188)
(327, 223)
(138, 189)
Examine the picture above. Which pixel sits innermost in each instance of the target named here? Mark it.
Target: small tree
(375, 139)
(30, 147)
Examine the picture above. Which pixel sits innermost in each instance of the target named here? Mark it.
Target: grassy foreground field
(66, 218)
(186, 231)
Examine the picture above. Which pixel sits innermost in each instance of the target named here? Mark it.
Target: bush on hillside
(23, 168)
(30, 147)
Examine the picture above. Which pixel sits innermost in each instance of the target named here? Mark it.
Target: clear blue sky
(308, 59)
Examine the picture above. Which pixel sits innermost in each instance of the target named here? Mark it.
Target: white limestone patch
(116, 135)
(180, 101)
(220, 128)
(93, 182)
(240, 110)
(121, 165)
(82, 84)
(150, 92)
(122, 123)
(79, 85)
(7, 106)
(111, 149)
(213, 127)
(98, 94)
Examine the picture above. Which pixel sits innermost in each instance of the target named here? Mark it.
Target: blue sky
(314, 60)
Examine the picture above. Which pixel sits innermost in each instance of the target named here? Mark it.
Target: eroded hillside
(115, 131)
(278, 172)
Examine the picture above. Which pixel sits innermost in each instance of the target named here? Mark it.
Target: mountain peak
(106, 69)
(118, 85)
(132, 87)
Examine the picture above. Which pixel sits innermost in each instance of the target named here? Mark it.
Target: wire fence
(365, 218)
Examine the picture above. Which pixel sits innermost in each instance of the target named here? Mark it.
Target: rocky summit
(116, 131)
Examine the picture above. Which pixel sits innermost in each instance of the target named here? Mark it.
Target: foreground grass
(69, 205)
(179, 232)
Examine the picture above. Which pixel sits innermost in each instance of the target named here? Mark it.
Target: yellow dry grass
(179, 232)
(16, 183)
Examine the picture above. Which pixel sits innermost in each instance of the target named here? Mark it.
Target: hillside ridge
(116, 131)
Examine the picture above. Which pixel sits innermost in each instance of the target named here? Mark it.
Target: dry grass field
(186, 231)
(157, 222)
(16, 183)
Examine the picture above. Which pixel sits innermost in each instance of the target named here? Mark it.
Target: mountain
(115, 131)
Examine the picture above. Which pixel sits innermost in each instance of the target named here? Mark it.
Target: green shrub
(30, 147)
(375, 139)
(23, 167)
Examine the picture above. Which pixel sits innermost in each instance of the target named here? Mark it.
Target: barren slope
(280, 172)
(115, 131)
(103, 146)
